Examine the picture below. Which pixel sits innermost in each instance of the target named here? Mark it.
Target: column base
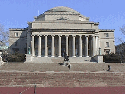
(73, 56)
(45, 56)
(38, 56)
(80, 56)
(52, 56)
(59, 56)
(87, 56)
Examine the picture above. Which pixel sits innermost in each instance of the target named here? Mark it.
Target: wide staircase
(57, 67)
(16, 79)
(56, 75)
(60, 60)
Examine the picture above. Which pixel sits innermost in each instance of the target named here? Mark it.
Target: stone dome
(62, 9)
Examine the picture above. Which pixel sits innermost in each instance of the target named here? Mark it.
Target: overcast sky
(109, 13)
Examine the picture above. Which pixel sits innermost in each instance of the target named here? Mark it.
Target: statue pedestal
(99, 58)
(28, 58)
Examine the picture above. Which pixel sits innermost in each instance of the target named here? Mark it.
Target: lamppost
(35, 89)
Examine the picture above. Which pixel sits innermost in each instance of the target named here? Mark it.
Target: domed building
(61, 31)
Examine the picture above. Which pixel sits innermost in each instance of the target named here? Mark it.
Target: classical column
(39, 47)
(73, 46)
(59, 46)
(93, 45)
(33, 53)
(52, 47)
(67, 44)
(80, 45)
(87, 46)
(46, 53)
(96, 45)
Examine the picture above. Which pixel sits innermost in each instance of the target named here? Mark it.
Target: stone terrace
(42, 67)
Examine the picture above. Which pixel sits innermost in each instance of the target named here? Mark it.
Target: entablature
(62, 30)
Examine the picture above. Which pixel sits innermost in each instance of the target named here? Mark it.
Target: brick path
(63, 90)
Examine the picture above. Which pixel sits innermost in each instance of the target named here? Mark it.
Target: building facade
(62, 30)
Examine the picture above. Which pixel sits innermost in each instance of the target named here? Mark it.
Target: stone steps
(59, 60)
(61, 79)
(41, 67)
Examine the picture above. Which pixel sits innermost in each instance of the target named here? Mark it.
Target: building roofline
(65, 21)
(104, 30)
(11, 29)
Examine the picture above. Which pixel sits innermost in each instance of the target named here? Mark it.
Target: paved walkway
(62, 90)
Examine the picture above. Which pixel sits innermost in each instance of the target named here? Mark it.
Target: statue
(99, 51)
(29, 50)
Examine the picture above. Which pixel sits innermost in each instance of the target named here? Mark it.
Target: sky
(109, 13)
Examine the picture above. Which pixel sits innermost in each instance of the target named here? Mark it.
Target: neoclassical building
(58, 31)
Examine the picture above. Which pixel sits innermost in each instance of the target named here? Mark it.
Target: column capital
(52, 35)
(67, 35)
(80, 35)
(74, 35)
(86, 36)
(32, 35)
(60, 35)
(39, 35)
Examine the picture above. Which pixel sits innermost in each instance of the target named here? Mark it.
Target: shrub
(111, 58)
(16, 57)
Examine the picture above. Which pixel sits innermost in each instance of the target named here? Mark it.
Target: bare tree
(4, 35)
(122, 29)
(120, 49)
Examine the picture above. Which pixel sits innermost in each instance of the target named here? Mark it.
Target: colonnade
(94, 43)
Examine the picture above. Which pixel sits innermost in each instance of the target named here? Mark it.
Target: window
(107, 52)
(106, 34)
(16, 34)
(107, 44)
